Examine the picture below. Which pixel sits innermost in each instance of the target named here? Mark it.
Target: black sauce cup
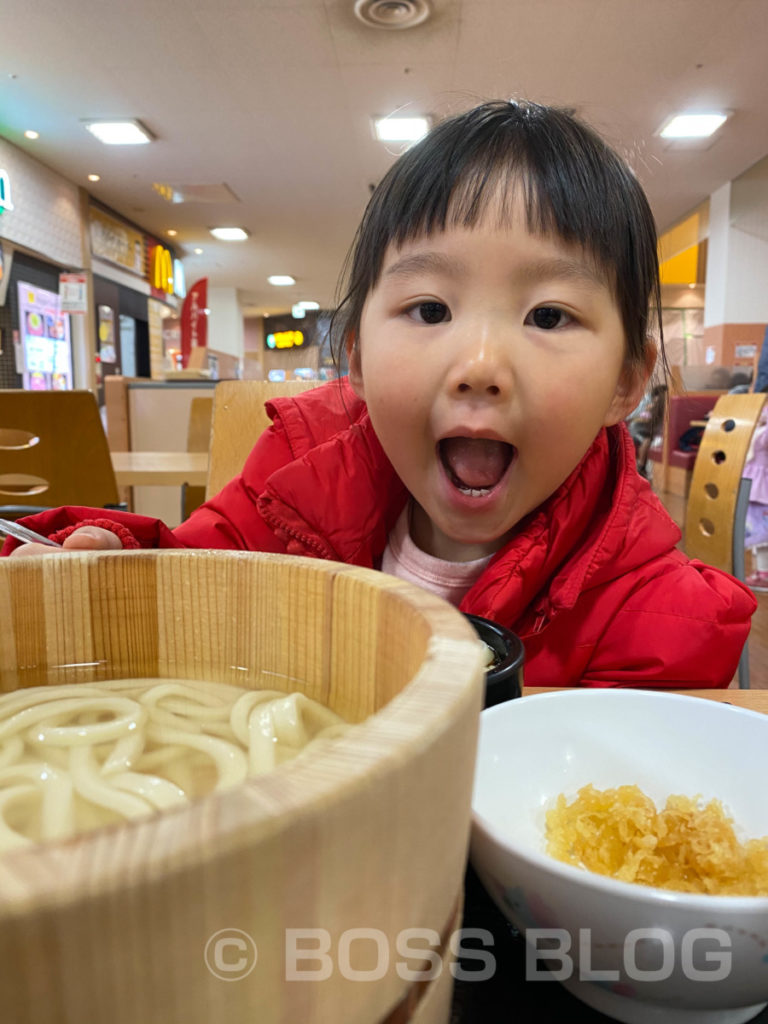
(472, 1001)
(504, 678)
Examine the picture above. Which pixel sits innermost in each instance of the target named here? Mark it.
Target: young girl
(497, 329)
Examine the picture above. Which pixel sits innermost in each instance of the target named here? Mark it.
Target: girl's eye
(548, 317)
(430, 312)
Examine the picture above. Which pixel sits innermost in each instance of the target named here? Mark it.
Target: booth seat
(673, 467)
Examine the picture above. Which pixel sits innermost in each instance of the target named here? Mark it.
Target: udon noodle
(74, 758)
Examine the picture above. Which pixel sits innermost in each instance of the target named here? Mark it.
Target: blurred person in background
(646, 422)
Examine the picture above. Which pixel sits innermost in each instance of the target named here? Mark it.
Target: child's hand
(87, 538)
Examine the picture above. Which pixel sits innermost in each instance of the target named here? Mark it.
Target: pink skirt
(757, 525)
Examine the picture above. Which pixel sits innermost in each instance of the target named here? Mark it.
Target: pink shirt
(449, 580)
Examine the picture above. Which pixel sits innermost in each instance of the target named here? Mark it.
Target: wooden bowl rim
(213, 826)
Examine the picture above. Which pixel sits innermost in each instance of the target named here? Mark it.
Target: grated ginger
(685, 847)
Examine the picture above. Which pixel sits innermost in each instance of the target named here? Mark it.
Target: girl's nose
(482, 368)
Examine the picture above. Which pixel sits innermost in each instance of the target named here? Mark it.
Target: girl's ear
(631, 386)
(352, 345)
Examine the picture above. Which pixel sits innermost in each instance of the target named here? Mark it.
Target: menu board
(115, 241)
(46, 352)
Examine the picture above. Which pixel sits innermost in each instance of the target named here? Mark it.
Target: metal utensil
(25, 535)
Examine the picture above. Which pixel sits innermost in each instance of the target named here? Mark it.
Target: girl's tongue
(477, 463)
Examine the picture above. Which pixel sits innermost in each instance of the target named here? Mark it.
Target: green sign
(5, 191)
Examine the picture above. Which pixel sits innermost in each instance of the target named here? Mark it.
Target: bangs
(561, 197)
(573, 187)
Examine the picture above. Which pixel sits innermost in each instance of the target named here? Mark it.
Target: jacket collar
(340, 500)
(601, 522)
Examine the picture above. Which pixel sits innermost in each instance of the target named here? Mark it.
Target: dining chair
(198, 440)
(53, 451)
(239, 417)
(715, 518)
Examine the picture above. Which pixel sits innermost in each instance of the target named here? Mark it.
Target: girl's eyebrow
(425, 262)
(563, 268)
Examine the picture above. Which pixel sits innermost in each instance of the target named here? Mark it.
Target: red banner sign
(194, 319)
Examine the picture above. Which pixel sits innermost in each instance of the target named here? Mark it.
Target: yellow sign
(164, 190)
(161, 270)
(285, 339)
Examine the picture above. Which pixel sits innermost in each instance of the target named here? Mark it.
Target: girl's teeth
(475, 492)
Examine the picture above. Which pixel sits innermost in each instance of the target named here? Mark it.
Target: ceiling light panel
(229, 234)
(692, 126)
(119, 133)
(400, 129)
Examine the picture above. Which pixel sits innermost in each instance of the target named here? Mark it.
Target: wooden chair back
(199, 427)
(714, 521)
(53, 451)
(239, 417)
(198, 440)
(715, 517)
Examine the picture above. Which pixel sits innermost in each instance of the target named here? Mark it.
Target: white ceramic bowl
(657, 967)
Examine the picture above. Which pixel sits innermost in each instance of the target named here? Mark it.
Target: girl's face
(489, 359)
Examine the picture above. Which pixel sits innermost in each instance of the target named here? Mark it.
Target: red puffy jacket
(592, 581)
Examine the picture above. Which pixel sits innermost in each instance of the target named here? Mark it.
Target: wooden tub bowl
(156, 921)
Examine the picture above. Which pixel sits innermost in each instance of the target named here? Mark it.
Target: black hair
(574, 187)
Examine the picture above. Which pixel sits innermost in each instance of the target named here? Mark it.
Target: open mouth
(475, 465)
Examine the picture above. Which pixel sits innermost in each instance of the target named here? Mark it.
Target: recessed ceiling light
(400, 129)
(692, 126)
(30, 133)
(94, 177)
(119, 133)
(392, 13)
(172, 232)
(281, 280)
(229, 234)
(308, 305)
(198, 252)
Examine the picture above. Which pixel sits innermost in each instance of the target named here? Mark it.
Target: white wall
(46, 215)
(225, 321)
(747, 298)
(717, 256)
(737, 255)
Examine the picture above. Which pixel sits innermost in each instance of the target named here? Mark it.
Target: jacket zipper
(306, 541)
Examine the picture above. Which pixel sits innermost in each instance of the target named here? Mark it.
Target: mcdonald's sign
(161, 270)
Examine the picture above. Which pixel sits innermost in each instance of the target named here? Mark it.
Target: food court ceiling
(273, 98)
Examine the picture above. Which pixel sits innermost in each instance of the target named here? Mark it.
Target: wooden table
(171, 469)
(753, 700)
